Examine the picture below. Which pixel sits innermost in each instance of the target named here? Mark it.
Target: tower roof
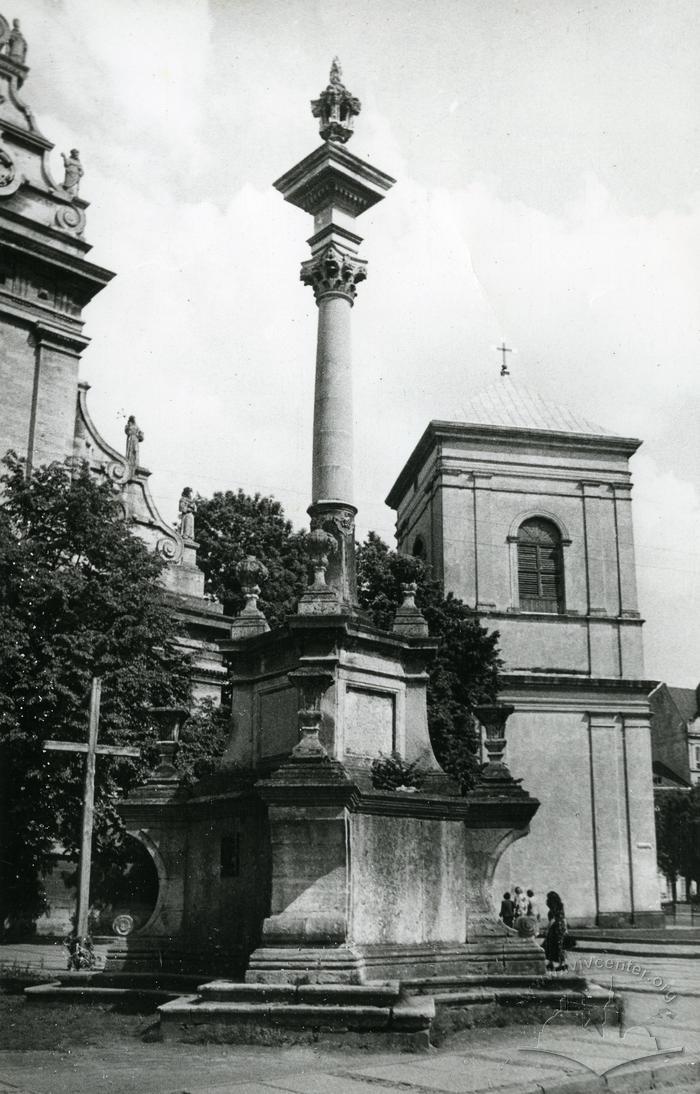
(508, 413)
(510, 405)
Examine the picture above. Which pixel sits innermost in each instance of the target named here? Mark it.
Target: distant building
(524, 510)
(675, 734)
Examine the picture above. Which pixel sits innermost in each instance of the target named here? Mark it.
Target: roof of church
(507, 411)
(513, 406)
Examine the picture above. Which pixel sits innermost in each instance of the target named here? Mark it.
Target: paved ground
(526, 1061)
(663, 1032)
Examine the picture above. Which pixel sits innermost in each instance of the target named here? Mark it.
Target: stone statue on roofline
(187, 507)
(12, 42)
(134, 436)
(73, 172)
(17, 44)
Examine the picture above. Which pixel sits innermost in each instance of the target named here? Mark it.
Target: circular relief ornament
(123, 925)
(70, 219)
(7, 169)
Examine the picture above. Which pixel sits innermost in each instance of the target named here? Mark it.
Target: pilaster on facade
(624, 529)
(480, 482)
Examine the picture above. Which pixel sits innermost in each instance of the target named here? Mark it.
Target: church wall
(54, 425)
(17, 377)
(460, 572)
(592, 839)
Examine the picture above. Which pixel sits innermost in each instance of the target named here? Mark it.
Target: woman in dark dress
(554, 939)
(507, 910)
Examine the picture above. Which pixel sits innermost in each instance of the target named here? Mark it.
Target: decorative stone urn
(170, 721)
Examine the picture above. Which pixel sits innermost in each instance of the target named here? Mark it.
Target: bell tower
(45, 277)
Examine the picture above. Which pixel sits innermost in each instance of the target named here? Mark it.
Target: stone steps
(377, 994)
(554, 983)
(274, 1013)
(105, 987)
(60, 993)
(405, 1013)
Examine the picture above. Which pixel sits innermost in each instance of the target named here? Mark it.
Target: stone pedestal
(366, 884)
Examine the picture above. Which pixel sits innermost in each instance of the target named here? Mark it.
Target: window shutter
(540, 568)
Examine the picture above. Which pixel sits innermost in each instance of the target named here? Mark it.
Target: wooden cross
(504, 350)
(92, 749)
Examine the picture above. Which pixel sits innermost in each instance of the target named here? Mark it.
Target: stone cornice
(52, 337)
(20, 235)
(29, 138)
(333, 174)
(511, 681)
(439, 432)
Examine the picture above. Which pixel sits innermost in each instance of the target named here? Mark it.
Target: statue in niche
(134, 436)
(187, 507)
(73, 172)
(16, 44)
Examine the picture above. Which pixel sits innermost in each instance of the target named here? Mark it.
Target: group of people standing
(521, 912)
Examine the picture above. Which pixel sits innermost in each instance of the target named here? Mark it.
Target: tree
(232, 525)
(80, 596)
(677, 815)
(465, 671)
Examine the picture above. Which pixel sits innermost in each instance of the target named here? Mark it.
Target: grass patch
(62, 1026)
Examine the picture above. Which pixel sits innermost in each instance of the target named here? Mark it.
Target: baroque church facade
(524, 510)
(46, 280)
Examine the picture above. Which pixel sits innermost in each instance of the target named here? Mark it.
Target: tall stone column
(333, 277)
(336, 187)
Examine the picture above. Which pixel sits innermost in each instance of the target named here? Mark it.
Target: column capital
(333, 273)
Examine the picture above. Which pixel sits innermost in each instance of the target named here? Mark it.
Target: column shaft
(333, 405)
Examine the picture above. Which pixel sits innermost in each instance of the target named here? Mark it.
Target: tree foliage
(465, 671)
(231, 525)
(677, 814)
(79, 597)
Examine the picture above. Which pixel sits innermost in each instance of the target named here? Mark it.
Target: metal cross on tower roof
(504, 350)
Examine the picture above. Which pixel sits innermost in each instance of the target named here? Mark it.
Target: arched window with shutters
(540, 566)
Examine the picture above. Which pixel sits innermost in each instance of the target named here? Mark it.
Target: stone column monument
(336, 187)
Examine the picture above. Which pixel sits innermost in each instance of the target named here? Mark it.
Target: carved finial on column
(409, 619)
(319, 598)
(336, 108)
(170, 721)
(311, 683)
(250, 620)
(495, 774)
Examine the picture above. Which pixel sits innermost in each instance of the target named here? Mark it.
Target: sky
(547, 157)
